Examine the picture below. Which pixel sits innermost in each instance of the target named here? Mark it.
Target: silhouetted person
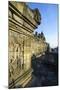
(33, 57)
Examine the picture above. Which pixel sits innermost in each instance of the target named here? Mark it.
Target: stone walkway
(44, 72)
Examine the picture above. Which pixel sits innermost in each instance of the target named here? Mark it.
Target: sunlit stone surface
(22, 43)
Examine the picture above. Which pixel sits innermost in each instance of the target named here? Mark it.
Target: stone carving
(37, 15)
(32, 14)
(22, 42)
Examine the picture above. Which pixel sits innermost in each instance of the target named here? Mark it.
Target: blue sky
(49, 21)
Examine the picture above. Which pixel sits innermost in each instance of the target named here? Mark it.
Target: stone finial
(37, 16)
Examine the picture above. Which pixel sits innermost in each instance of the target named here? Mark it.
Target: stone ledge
(21, 79)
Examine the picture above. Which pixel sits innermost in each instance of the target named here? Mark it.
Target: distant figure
(33, 57)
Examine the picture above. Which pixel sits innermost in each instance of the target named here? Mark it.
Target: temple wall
(22, 43)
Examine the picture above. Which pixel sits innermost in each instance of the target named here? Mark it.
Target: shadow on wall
(45, 69)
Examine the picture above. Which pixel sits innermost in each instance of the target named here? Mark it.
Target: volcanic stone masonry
(22, 43)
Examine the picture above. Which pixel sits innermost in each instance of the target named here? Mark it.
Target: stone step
(21, 80)
(25, 80)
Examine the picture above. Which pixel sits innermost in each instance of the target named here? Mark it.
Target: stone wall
(22, 43)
